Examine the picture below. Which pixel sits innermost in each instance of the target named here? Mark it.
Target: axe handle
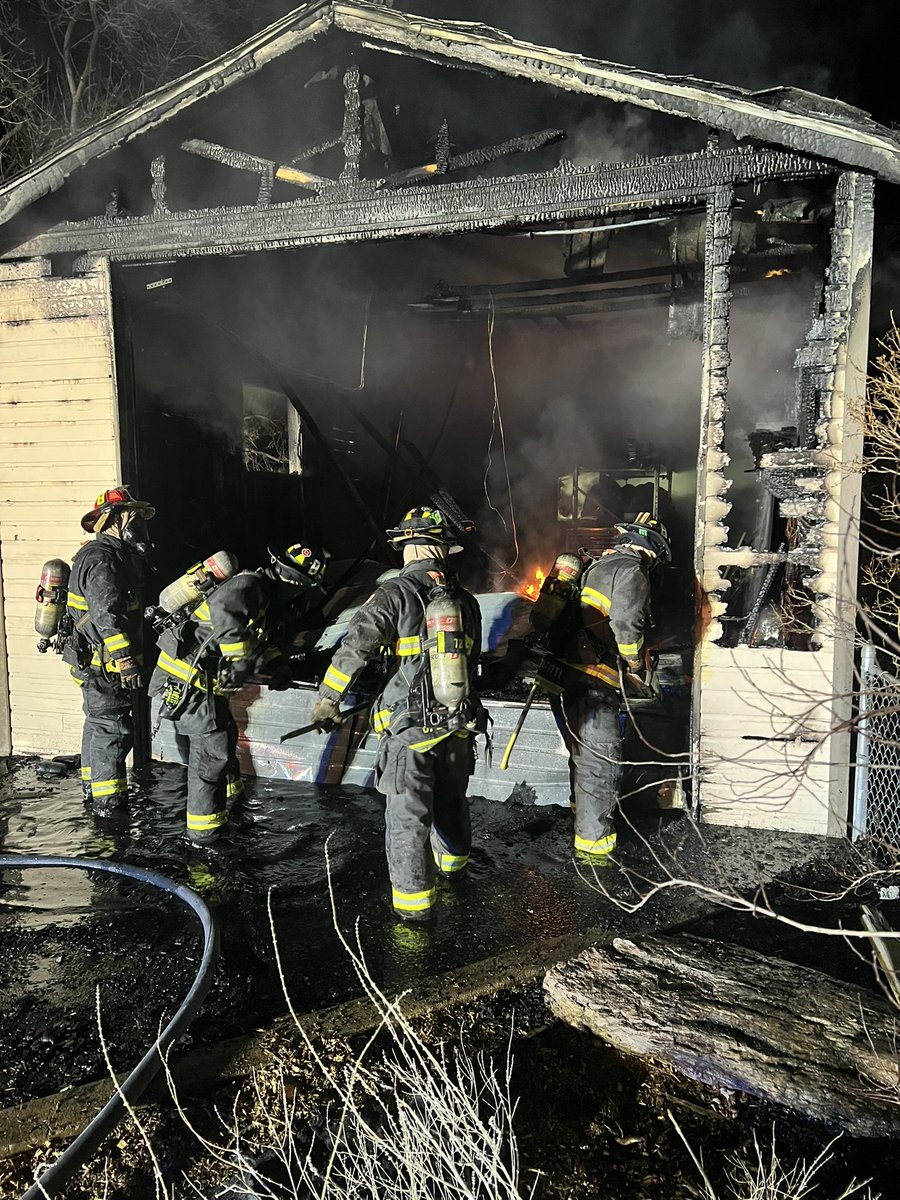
(514, 736)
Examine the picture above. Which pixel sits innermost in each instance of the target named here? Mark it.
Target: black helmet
(302, 564)
(647, 534)
(424, 527)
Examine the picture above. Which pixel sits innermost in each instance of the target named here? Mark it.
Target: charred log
(734, 1019)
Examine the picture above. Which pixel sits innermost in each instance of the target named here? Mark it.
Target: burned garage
(562, 291)
(370, 263)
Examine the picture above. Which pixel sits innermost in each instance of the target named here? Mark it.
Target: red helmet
(111, 502)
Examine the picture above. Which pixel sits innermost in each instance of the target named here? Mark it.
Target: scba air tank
(447, 660)
(51, 596)
(556, 591)
(197, 581)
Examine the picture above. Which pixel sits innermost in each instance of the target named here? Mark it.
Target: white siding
(58, 449)
(765, 743)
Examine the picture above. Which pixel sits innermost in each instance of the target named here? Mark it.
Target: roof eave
(738, 113)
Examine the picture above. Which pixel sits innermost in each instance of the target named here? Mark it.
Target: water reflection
(521, 887)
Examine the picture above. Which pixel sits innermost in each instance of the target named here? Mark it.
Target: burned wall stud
(158, 186)
(712, 485)
(351, 136)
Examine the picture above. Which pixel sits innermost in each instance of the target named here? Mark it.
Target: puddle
(64, 932)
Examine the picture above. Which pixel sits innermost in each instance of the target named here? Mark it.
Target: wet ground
(64, 933)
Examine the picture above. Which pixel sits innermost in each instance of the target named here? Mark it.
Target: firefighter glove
(326, 713)
(235, 672)
(130, 676)
(279, 678)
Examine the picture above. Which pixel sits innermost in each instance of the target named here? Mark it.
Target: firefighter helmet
(647, 534)
(302, 564)
(109, 504)
(424, 527)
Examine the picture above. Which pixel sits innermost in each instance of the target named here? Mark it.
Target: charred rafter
(552, 297)
(239, 160)
(307, 152)
(475, 158)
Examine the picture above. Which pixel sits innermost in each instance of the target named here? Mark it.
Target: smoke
(334, 320)
(620, 132)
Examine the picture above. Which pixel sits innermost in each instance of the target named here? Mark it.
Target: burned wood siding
(58, 448)
(772, 727)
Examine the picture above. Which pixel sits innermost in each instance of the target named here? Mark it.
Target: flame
(773, 274)
(530, 590)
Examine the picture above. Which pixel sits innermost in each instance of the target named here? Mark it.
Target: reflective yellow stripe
(178, 667)
(450, 862)
(381, 720)
(594, 599)
(234, 649)
(601, 671)
(85, 773)
(234, 788)
(604, 845)
(631, 649)
(413, 901)
(107, 787)
(73, 671)
(336, 680)
(77, 602)
(426, 745)
(407, 646)
(117, 641)
(206, 820)
(202, 612)
(450, 642)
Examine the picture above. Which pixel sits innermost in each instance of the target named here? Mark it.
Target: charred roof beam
(475, 158)
(360, 212)
(239, 160)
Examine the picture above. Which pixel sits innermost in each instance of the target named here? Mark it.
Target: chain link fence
(876, 806)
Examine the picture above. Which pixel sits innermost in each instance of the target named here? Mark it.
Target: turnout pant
(106, 740)
(213, 775)
(595, 752)
(427, 822)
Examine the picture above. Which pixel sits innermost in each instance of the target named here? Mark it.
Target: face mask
(137, 536)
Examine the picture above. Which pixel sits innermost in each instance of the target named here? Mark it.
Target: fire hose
(52, 1180)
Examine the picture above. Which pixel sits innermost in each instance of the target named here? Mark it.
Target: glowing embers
(777, 272)
(531, 590)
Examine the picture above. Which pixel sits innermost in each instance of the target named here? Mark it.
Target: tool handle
(514, 736)
(326, 726)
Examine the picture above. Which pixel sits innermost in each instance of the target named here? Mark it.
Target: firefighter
(104, 652)
(425, 717)
(232, 634)
(603, 634)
